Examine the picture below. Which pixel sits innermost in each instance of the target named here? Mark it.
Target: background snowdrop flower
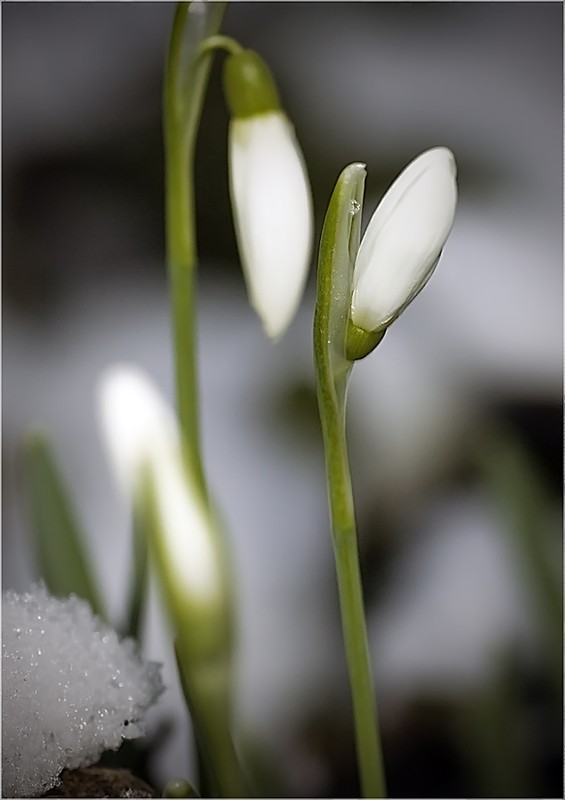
(143, 444)
(270, 193)
(187, 552)
(401, 246)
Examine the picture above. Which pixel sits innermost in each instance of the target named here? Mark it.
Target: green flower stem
(352, 611)
(194, 37)
(208, 690)
(220, 43)
(179, 787)
(186, 77)
(203, 634)
(338, 248)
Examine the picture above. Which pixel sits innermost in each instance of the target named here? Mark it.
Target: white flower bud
(143, 442)
(270, 192)
(403, 241)
(273, 214)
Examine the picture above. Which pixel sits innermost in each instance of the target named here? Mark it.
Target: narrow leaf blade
(57, 538)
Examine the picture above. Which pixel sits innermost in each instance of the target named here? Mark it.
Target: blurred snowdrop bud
(401, 247)
(270, 192)
(144, 447)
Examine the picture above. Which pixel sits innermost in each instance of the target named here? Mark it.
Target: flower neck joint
(249, 86)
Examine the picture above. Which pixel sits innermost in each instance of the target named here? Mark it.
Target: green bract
(359, 343)
(249, 86)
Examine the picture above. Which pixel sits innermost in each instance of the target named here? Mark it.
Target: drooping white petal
(404, 239)
(141, 435)
(273, 214)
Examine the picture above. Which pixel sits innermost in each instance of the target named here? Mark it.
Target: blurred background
(455, 421)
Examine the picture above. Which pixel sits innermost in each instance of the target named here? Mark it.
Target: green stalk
(206, 679)
(338, 247)
(368, 746)
(203, 633)
(207, 689)
(186, 78)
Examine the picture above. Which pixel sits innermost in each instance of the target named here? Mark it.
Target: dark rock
(100, 782)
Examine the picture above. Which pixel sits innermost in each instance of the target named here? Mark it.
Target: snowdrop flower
(144, 445)
(270, 192)
(401, 246)
(186, 548)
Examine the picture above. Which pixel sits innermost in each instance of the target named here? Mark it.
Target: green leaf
(139, 579)
(519, 492)
(57, 538)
